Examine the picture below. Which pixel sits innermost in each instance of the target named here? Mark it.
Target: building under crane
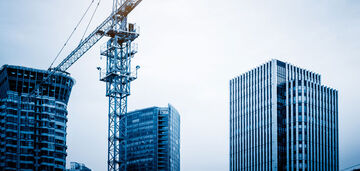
(33, 132)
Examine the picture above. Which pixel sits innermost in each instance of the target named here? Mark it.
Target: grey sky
(188, 52)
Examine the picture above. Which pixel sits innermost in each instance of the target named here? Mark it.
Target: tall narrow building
(33, 128)
(153, 139)
(283, 118)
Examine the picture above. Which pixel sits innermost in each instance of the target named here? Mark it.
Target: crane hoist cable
(92, 16)
(77, 25)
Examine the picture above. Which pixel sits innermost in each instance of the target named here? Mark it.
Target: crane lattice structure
(118, 51)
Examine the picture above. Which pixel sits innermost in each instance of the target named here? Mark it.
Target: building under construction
(33, 128)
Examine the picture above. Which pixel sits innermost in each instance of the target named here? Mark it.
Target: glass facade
(33, 130)
(74, 166)
(282, 118)
(153, 141)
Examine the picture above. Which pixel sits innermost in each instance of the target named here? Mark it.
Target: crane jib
(91, 40)
(97, 34)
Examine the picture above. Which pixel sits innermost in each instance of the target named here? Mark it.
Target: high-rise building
(282, 118)
(33, 128)
(153, 141)
(75, 166)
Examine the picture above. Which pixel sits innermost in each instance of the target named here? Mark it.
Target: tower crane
(118, 52)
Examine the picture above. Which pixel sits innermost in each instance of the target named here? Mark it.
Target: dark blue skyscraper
(282, 118)
(33, 128)
(153, 141)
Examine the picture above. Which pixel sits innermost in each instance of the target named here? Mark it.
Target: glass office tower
(153, 141)
(33, 129)
(282, 118)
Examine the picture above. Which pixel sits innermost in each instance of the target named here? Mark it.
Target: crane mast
(118, 76)
(118, 51)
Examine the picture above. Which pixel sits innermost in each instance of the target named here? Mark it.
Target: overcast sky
(188, 52)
